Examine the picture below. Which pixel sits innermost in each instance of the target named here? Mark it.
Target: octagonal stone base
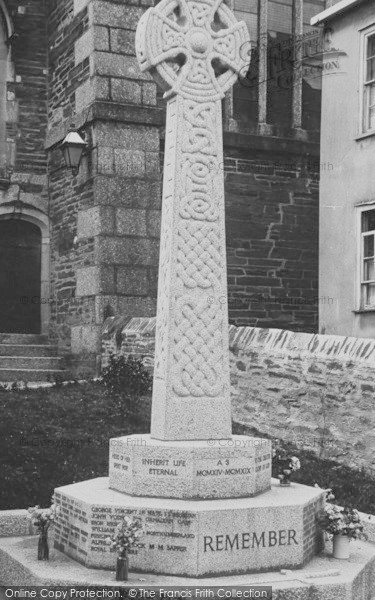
(192, 538)
(230, 468)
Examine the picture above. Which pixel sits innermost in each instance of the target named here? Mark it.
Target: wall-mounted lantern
(72, 148)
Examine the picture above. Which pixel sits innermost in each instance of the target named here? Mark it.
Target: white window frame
(365, 34)
(361, 282)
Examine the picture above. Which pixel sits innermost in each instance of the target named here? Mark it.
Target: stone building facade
(347, 252)
(87, 245)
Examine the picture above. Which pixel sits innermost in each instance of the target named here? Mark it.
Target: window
(368, 123)
(273, 89)
(245, 91)
(367, 268)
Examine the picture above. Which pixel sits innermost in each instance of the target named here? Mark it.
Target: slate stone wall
(272, 240)
(65, 74)
(25, 105)
(272, 231)
(26, 118)
(315, 391)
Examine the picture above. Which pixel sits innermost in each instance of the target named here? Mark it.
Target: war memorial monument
(210, 510)
(204, 495)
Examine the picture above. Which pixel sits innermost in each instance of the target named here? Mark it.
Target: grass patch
(57, 436)
(53, 437)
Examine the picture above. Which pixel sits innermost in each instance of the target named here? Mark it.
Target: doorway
(20, 276)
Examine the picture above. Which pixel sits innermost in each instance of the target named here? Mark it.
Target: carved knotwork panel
(192, 48)
(203, 32)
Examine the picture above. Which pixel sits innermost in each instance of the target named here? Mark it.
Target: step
(23, 338)
(30, 362)
(27, 350)
(12, 375)
(322, 578)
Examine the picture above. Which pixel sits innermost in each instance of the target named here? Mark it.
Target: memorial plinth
(203, 495)
(192, 538)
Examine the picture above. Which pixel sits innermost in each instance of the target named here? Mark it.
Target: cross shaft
(191, 392)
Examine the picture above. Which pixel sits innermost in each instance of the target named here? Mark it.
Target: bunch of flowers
(42, 518)
(285, 465)
(126, 535)
(336, 520)
(328, 492)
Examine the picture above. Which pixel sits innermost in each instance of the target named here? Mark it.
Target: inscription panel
(263, 466)
(257, 539)
(168, 532)
(224, 467)
(72, 527)
(165, 467)
(238, 468)
(121, 464)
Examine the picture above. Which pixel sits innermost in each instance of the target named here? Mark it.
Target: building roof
(335, 10)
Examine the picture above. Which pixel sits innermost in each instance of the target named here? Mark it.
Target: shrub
(126, 380)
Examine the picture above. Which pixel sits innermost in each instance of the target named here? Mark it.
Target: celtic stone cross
(192, 49)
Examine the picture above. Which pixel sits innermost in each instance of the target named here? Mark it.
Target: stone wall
(105, 220)
(272, 229)
(26, 117)
(67, 194)
(129, 337)
(23, 165)
(23, 118)
(314, 391)
(272, 239)
(66, 73)
(101, 229)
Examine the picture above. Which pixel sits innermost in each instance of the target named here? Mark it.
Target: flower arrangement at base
(341, 524)
(42, 519)
(125, 537)
(285, 465)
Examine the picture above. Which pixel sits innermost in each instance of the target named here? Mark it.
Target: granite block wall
(315, 391)
(104, 221)
(67, 194)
